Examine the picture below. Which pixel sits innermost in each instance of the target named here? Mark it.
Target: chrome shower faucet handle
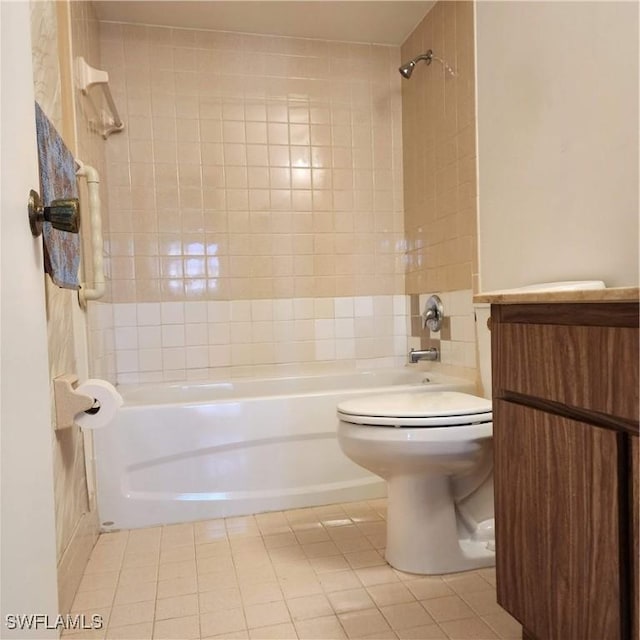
(433, 314)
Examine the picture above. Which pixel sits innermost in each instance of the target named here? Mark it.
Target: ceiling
(377, 21)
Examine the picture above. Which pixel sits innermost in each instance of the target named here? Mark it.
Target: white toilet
(434, 450)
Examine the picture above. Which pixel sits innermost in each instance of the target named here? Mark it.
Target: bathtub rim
(423, 379)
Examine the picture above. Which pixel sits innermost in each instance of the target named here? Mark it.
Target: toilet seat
(422, 409)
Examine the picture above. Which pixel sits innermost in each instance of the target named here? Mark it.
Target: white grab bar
(97, 248)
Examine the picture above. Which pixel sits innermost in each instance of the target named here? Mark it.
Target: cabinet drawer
(588, 367)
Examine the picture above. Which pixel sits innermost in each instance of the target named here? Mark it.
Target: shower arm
(427, 57)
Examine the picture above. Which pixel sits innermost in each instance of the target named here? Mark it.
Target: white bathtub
(177, 453)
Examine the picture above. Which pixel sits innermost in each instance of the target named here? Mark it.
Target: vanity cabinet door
(557, 524)
(635, 534)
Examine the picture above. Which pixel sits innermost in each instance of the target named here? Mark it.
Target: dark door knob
(63, 215)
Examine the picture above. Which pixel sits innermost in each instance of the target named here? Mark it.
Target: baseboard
(74, 559)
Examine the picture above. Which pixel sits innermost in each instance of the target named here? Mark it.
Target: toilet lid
(424, 408)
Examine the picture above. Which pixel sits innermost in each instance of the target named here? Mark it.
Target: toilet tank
(483, 313)
(483, 345)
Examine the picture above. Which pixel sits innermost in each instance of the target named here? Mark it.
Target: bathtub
(197, 451)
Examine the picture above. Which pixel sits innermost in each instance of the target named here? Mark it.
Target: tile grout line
(249, 534)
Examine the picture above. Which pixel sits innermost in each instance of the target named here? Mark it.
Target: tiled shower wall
(440, 193)
(438, 113)
(173, 341)
(262, 173)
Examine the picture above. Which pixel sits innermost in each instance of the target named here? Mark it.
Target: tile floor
(316, 573)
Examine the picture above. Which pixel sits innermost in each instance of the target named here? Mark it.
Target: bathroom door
(28, 553)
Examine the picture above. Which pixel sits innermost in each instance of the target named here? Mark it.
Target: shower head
(407, 68)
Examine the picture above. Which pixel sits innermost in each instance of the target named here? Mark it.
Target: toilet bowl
(434, 450)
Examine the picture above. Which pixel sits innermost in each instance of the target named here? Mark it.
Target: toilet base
(422, 529)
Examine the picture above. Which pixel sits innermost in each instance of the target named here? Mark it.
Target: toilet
(434, 449)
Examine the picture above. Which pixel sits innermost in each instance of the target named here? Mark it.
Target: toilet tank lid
(420, 404)
(562, 285)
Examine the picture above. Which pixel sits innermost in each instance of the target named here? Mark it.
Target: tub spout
(431, 354)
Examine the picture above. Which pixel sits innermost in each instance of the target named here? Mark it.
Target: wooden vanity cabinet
(635, 539)
(565, 387)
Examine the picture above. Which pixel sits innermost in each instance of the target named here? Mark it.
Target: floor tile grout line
(235, 570)
(119, 571)
(302, 517)
(197, 594)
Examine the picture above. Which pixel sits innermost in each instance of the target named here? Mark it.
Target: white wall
(557, 87)
(28, 555)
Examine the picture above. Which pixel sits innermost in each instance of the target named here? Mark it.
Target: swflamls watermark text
(34, 621)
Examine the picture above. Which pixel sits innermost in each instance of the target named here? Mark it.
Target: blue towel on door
(57, 180)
